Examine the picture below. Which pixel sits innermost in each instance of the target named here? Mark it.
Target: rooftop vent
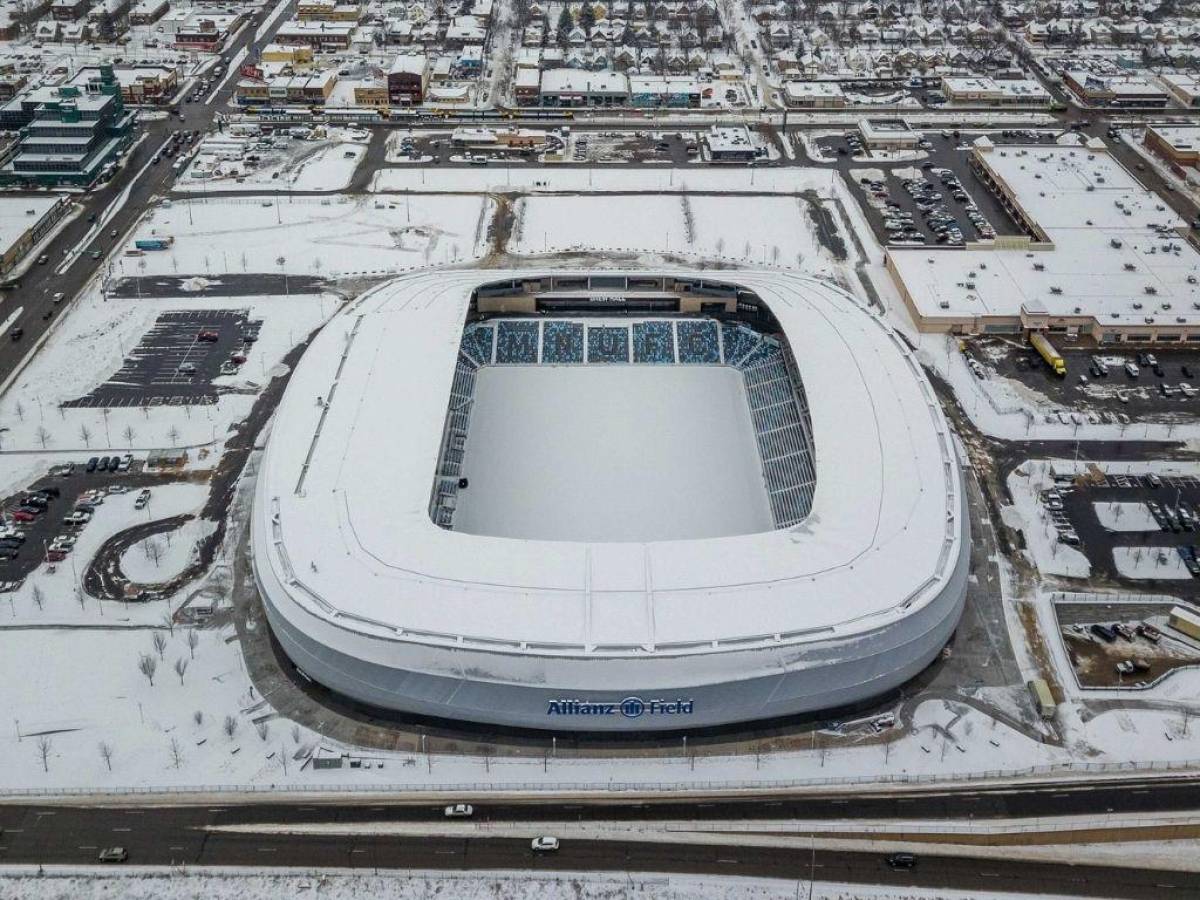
(1056, 290)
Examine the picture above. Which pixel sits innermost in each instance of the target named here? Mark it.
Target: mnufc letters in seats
(630, 708)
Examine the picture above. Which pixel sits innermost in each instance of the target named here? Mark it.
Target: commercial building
(24, 221)
(814, 95)
(888, 134)
(675, 92)
(1101, 256)
(328, 11)
(407, 79)
(576, 88)
(320, 35)
(994, 92)
(734, 143)
(141, 85)
(147, 12)
(1179, 144)
(527, 86)
(1184, 88)
(1119, 91)
(75, 134)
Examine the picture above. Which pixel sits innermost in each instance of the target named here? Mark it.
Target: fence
(478, 788)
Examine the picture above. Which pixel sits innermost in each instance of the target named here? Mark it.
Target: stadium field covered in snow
(598, 501)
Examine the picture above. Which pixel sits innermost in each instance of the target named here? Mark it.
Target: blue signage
(630, 707)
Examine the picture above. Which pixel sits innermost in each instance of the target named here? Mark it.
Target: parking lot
(1166, 384)
(1152, 521)
(24, 545)
(177, 359)
(916, 202)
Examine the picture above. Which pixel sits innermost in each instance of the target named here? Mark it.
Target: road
(180, 836)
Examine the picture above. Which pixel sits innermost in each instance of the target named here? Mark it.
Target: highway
(181, 836)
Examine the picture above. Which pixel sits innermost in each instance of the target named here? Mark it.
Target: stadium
(607, 501)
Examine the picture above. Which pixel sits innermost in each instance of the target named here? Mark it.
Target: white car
(544, 844)
(460, 811)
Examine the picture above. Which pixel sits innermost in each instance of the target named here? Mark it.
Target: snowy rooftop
(354, 542)
(19, 214)
(1180, 137)
(1110, 248)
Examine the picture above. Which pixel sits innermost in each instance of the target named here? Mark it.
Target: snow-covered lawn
(772, 231)
(336, 235)
(1150, 562)
(1116, 516)
(161, 557)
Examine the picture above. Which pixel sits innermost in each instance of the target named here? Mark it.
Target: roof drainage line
(325, 405)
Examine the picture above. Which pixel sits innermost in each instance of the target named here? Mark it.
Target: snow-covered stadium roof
(346, 492)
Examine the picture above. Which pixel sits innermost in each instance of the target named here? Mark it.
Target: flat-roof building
(1179, 144)
(575, 87)
(814, 95)
(1101, 257)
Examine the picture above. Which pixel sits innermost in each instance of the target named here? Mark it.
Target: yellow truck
(1042, 698)
(1052, 357)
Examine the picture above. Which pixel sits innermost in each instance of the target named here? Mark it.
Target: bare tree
(229, 726)
(153, 549)
(43, 747)
(128, 434)
(39, 596)
(296, 733)
(160, 643)
(85, 435)
(173, 436)
(19, 409)
(181, 665)
(198, 717)
(176, 753)
(79, 596)
(148, 665)
(42, 435)
(263, 730)
(169, 620)
(106, 753)
(193, 640)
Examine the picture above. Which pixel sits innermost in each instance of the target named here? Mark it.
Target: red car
(56, 555)
(22, 516)
(210, 336)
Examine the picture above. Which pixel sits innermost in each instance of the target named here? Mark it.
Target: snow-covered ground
(1117, 516)
(770, 231)
(327, 236)
(325, 164)
(1004, 408)
(88, 346)
(1030, 516)
(60, 601)
(161, 557)
(263, 884)
(1150, 562)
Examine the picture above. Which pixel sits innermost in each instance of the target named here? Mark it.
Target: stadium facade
(373, 588)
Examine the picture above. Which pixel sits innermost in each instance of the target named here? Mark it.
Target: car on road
(460, 811)
(113, 854)
(901, 860)
(17, 333)
(58, 297)
(43, 259)
(544, 844)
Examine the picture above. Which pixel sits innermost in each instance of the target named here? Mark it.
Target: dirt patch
(1095, 660)
(1037, 646)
